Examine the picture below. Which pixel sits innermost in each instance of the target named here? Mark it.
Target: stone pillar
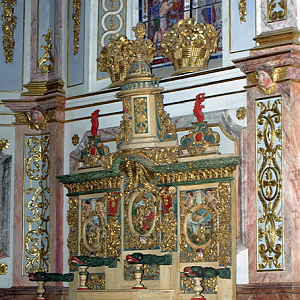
(272, 164)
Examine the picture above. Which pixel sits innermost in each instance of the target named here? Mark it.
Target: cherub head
(264, 75)
(37, 115)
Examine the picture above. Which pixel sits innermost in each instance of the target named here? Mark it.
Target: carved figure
(149, 259)
(89, 261)
(51, 277)
(208, 272)
(95, 122)
(198, 107)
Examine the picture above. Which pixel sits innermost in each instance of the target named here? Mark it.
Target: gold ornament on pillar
(8, 26)
(46, 62)
(119, 54)
(189, 45)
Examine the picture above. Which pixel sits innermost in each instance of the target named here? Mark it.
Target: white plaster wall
(7, 132)
(242, 267)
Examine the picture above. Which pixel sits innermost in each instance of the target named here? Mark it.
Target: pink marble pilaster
(289, 90)
(56, 131)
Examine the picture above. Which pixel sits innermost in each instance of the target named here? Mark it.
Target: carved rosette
(189, 45)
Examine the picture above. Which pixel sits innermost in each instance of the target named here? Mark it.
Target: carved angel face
(264, 79)
(37, 116)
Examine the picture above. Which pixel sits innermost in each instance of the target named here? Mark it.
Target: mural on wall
(160, 15)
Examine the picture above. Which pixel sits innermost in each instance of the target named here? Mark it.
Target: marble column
(280, 50)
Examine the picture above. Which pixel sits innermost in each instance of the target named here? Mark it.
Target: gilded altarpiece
(269, 184)
(36, 203)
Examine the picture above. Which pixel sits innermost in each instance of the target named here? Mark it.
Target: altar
(156, 219)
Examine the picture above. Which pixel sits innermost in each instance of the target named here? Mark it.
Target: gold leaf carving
(276, 10)
(72, 219)
(3, 144)
(189, 45)
(243, 10)
(76, 26)
(96, 281)
(37, 217)
(3, 269)
(269, 185)
(8, 26)
(46, 62)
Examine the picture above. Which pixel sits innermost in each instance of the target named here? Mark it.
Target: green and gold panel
(269, 184)
(36, 203)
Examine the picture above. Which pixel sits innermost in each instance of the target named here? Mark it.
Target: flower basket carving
(189, 45)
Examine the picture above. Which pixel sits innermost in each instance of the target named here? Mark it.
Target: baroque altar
(149, 220)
